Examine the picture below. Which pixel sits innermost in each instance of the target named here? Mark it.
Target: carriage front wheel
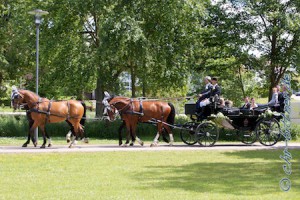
(207, 133)
(268, 131)
(248, 136)
(187, 133)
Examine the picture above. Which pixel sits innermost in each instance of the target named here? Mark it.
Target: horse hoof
(70, 146)
(142, 143)
(49, 145)
(153, 145)
(24, 145)
(35, 144)
(86, 140)
(43, 147)
(131, 144)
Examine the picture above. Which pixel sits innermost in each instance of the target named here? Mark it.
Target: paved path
(162, 147)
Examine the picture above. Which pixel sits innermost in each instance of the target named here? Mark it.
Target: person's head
(252, 100)
(278, 88)
(275, 89)
(214, 80)
(207, 79)
(283, 88)
(246, 99)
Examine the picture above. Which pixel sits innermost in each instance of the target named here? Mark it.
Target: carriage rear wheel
(187, 133)
(248, 136)
(207, 133)
(268, 131)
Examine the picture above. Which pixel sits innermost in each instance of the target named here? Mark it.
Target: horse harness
(130, 109)
(48, 113)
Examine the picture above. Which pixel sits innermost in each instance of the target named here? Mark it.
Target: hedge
(17, 126)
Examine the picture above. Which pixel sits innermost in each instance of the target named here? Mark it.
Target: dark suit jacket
(204, 92)
(213, 91)
(246, 106)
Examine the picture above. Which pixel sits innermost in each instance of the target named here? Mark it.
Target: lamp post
(37, 17)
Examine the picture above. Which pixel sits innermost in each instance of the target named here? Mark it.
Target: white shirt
(207, 86)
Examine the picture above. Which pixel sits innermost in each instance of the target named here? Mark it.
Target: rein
(141, 113)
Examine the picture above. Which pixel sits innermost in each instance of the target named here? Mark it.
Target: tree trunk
(99, 93)
(133, 80)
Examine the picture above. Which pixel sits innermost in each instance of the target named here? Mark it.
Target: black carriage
(250, 125)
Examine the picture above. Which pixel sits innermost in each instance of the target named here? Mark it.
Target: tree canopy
(166, 46)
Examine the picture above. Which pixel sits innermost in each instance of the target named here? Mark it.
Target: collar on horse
(130, 110)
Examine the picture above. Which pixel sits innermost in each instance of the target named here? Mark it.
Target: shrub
(17, 126)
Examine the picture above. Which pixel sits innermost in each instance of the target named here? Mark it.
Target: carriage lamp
(37, 18)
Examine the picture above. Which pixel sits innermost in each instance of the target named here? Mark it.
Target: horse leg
(155, 141)
(127, 138)
(33, 127)
(71, 131)
(139, 141)
(28, 137)
(48, 138)
(77, 130)
(168, 129)
(82, 137)
(132, 139)
(133, 134)
(120, 132)
(128, 127)
(44, 136)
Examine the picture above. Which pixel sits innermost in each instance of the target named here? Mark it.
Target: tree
(268, 28)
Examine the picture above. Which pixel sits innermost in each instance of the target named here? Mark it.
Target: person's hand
(199, 95)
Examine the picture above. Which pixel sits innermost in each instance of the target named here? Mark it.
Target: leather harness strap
(68, 116)
(48, 111)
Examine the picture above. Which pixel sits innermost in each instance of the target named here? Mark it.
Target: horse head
(17, 99)
(109, 110)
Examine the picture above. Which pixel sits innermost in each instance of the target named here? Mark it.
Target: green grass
(147, 175)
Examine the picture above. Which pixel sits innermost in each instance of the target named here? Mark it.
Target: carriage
(250, 125)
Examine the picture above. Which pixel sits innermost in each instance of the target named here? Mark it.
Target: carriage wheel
(268, 131)
(208, 134)
(248, 136)
(187, 133)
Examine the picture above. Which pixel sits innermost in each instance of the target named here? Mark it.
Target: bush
(17, 126)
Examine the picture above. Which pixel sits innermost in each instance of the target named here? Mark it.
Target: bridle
(16, 96)
(112, 107)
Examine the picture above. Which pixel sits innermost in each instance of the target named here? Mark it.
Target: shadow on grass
(272, 154)
(236, 177)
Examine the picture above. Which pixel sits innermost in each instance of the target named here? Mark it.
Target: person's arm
(274, 100)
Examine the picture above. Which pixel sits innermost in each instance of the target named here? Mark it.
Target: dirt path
(161, 147)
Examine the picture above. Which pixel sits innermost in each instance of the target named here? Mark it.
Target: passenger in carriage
(246, 104)
(208, 86)
(215, 90)
(253, 104)
(281, 96)
(274, 99)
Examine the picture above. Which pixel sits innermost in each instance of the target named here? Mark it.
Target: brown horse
(133, 111)
(44, 111)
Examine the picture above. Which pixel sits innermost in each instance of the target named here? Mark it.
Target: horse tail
(82, 121)
(171, 117)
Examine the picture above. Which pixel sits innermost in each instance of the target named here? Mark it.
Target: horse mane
(31, 93)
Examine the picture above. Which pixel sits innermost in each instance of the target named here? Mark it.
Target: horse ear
(106, 94)
(14, 89)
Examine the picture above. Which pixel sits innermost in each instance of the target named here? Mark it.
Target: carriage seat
(231, 111)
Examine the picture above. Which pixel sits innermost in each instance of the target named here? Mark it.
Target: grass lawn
(147, 175)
